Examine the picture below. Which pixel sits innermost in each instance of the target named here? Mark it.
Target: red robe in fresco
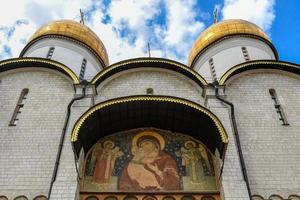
(146, 179)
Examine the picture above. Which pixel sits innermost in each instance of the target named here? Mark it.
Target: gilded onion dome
(222, 30)
(76, 31)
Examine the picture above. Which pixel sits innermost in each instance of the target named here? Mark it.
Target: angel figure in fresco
(208, 169)
(193, 161)
(105, 156)
(150, 169)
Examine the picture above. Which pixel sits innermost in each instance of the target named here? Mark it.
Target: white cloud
(260, 12)
(182, 28)
(131, 25)
(13, 38)
(32, 14)
(131, 17)
(181, 21)
(117, 48)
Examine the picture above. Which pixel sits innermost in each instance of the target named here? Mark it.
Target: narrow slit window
(50, 52)
(212, 69)
(245, 54)
(18, 108)
(82, 70)
(278, 107)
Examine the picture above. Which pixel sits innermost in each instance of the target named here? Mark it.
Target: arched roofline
(192, 62)
(149, 62)
(31, 62)
(55, 36)
(259, 64)
(163, 112)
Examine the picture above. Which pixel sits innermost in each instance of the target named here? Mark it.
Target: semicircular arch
(259, 65)
(169, 113)
(17, 63)
(149, 62)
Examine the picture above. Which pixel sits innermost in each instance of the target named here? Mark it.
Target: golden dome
(224, 29)
(77, 31)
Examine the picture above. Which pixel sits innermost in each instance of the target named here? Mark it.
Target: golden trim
(77, 126)
(58, 65)
(144, 60)
(225, 76)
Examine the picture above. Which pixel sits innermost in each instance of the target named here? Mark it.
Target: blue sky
(171, 26)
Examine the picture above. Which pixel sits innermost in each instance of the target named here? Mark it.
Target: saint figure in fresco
(150, 169)
(105, 156)
(195, 160)
(208, 169)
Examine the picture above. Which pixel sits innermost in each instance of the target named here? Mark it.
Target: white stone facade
(270, 150)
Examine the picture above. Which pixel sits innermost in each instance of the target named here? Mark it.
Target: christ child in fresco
(150, 169)
(105, 157)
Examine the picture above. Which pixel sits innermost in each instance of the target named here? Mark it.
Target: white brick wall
(28, 150)
(163, 82)
(233, 186)
(271, 150)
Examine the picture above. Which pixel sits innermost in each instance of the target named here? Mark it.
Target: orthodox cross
(81, 17)
(215, 15)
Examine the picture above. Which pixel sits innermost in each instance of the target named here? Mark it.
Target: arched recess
(168, 113)
(149, 62)
(16, 63)
(261, 64)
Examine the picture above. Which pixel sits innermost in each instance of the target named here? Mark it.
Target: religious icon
(191, 159)
(150, 169)
(195, 160)
(105, 155)
(148, 160)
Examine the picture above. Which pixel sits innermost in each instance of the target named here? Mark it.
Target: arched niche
(294, 197)
(40, 197)
(185, 138)
(275, 197)
(167, 113)
(22, 197)
(3, 198)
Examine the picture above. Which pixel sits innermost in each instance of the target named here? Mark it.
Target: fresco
(148, 160)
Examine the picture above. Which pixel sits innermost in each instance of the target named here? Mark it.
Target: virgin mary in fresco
(150, 169)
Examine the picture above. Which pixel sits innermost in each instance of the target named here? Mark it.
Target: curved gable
(261, 64)
(169, 113)
(17, 63)
(149, 62)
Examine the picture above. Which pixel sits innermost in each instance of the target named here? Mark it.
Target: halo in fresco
(149, 133)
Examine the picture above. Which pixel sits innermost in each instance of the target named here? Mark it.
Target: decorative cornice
(5, 65)
(148, 60)
(81, 120)
(259, 64)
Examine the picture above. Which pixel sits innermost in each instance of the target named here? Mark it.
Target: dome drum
(224, 30)
(73, 31)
